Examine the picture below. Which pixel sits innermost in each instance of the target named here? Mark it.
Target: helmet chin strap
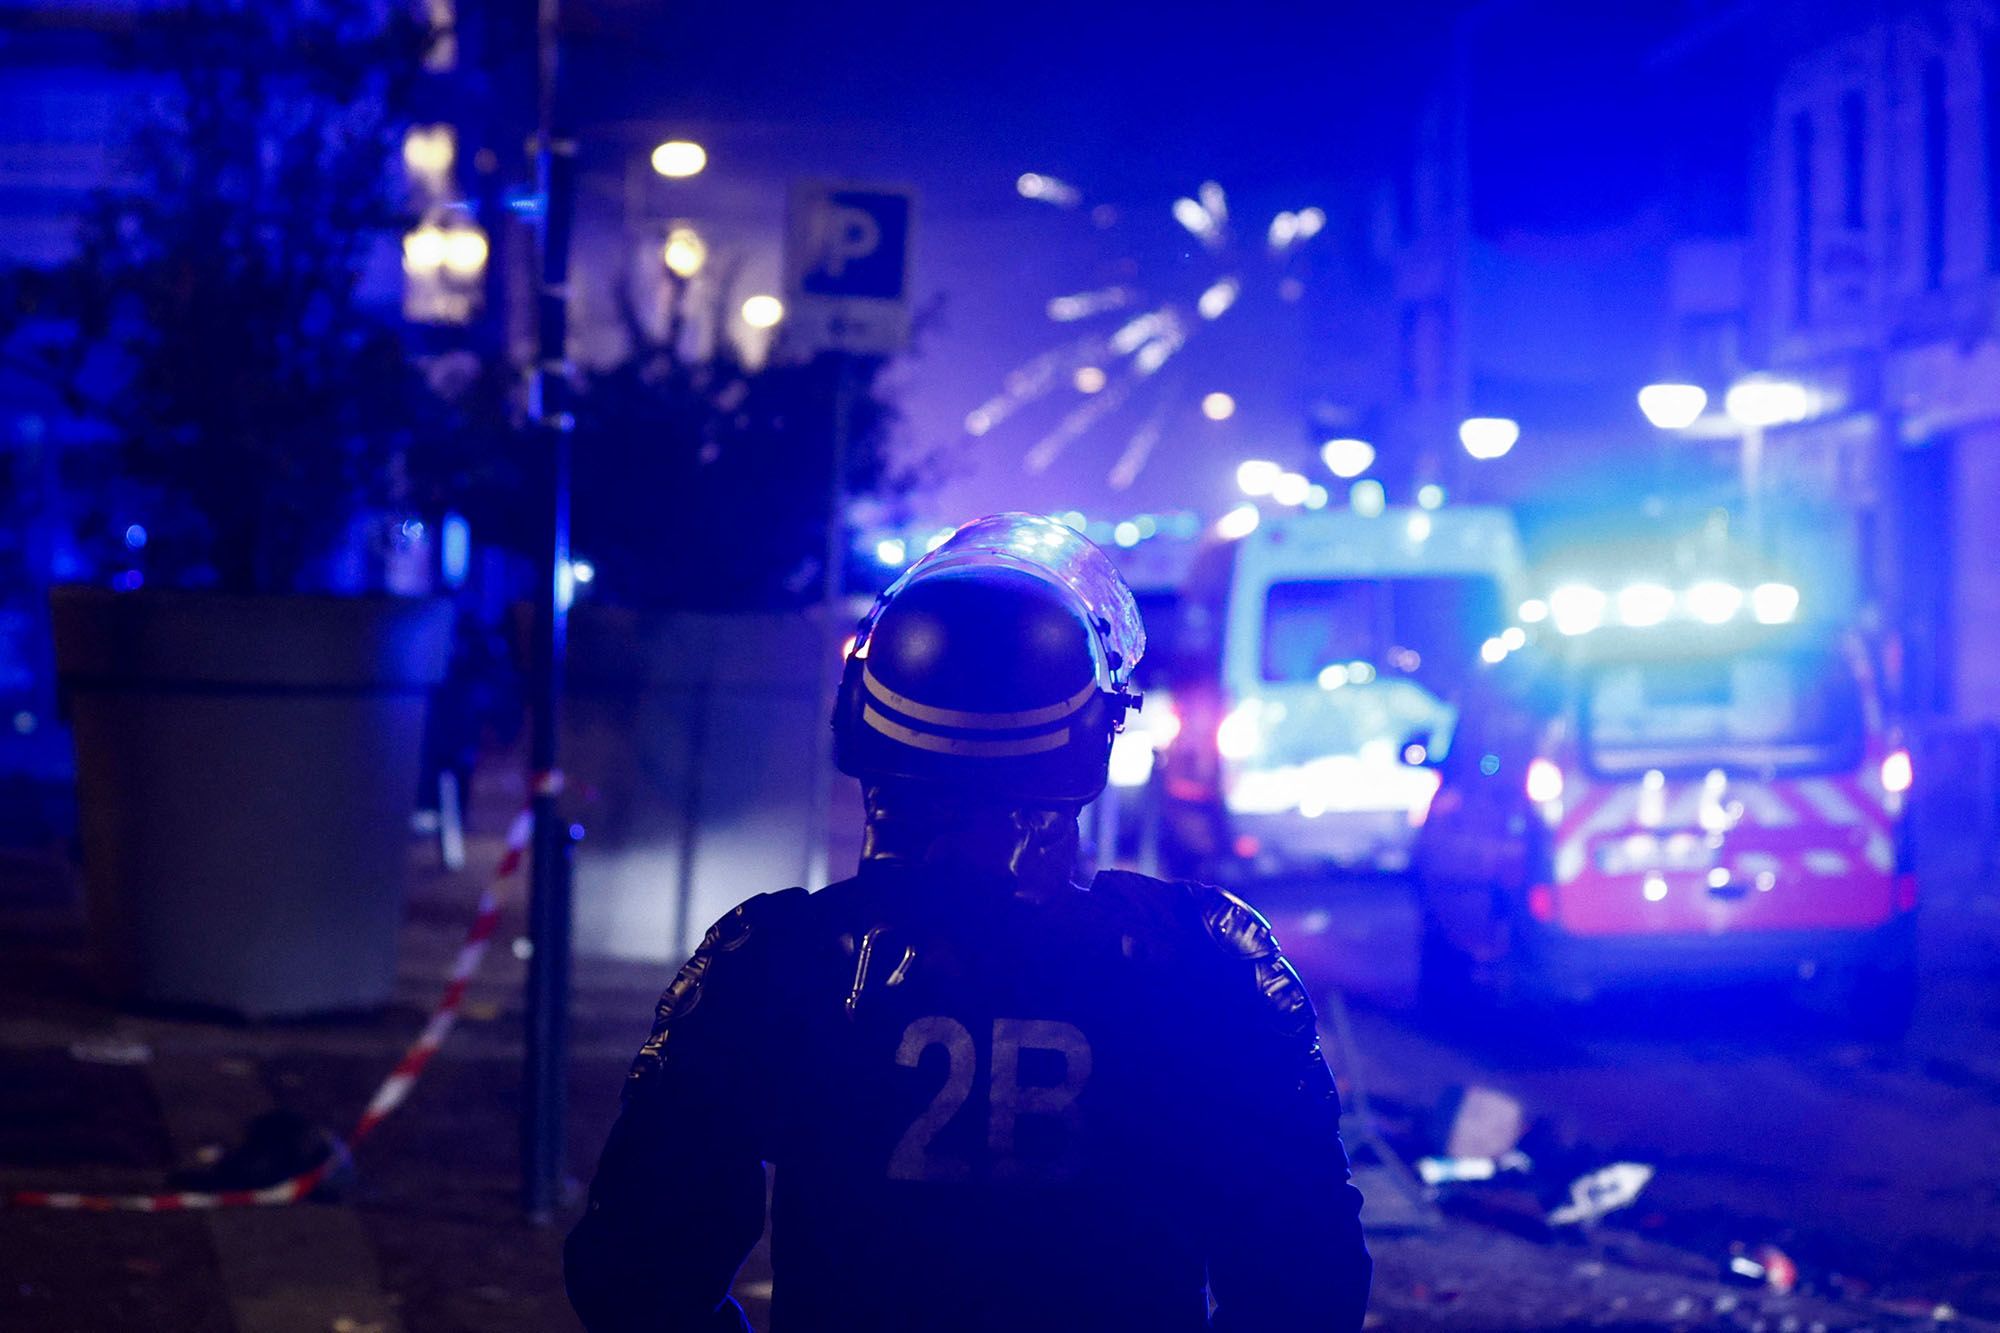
(1034, 846)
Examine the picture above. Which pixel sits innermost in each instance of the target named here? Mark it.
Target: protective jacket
(1092, 1109)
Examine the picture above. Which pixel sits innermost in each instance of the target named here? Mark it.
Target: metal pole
(833, 629)
(547, 1000)
(1752, 461)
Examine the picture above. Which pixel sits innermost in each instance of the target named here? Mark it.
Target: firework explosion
(1116, 339)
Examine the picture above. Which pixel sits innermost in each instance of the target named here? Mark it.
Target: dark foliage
(217, 328)
(703, 484)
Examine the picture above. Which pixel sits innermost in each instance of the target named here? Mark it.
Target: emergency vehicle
(1692, 782)
(1311, 656)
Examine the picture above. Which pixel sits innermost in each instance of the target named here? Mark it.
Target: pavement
(1755, 1141)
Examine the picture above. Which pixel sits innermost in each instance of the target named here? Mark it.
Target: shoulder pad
(1237, 928)
(683, 993)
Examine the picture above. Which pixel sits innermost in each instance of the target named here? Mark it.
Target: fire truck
(1692, 781)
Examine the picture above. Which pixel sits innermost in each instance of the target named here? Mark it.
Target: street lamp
(1673, 406)
(1257, 476)
(1756, 403)
(1347, 459)
(1487, 438)
(685, 252)
(763, 312)
(677, 159)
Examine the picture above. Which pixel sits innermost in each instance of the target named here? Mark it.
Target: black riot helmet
(999, 665)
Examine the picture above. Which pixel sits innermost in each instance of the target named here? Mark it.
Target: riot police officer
(994, 1099)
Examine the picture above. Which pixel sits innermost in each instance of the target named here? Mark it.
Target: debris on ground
(1764, 1266)
(111, 1051)
(1483, 1122)
(1605, 1190)
(1464, 1170)
(276, 1146)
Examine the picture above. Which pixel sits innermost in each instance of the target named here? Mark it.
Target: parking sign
(847, 266)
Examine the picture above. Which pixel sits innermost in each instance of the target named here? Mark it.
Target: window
(1854, 160)
(1788, 711)
(1935, 145)
(1802, 217)
(1426, 628)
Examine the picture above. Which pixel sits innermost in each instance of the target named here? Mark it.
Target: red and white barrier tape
(390, 1095)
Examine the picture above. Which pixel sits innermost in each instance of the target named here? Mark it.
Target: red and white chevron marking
(395, 1089)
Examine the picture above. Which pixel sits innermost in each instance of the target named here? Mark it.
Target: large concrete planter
(690, 741)
(245, 771)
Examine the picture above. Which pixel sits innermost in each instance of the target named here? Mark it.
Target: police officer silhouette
(993, 1099)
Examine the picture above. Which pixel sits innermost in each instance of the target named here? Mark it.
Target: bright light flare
(1533, 611)
(1048, 189)
(1430, 495)
(1199, 222)
(1544, 781)
(1487, 438)
(1241, 734)
(1418, 529)
(891, 551)
(1367, 498)
(684, 253)
(1897, 773)
(1764, 400)
(1238, 523)
(1256, 476)
(428, 150)
(1643, 604)
(1673, 406)
(1714, 602)
(1774, 603)
(1218, 406)
(762, 311)
(677, 159)
(1215, 302)
(1291, 489)
(1347, 458)
(1088, 379)
(1577, 608)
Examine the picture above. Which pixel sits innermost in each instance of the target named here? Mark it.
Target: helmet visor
(1064, 557)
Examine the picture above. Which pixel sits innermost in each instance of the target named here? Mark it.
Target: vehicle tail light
(1542, 903)
(1545, 781)
(1897, 773)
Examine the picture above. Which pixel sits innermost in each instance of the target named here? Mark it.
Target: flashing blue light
(135, 537)
(455, 550)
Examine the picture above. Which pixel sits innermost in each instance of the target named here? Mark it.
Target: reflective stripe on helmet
(971, 747)
(979, 721)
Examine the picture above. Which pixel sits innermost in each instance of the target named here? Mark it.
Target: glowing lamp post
(1488, 438)
(677, 159)
(1673, 406)
(1755, 404)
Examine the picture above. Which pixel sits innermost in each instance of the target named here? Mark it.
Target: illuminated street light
(1088, 379)
(428, 151)
(677, 159)
(1762, 400)
(465, 252)
(1238, 522)
(685, 252)
(1672, 406)
(1347, 459)
(1256, 476)
(423, 249)
(1218, 407)
(1487, 438)
(763, 312)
